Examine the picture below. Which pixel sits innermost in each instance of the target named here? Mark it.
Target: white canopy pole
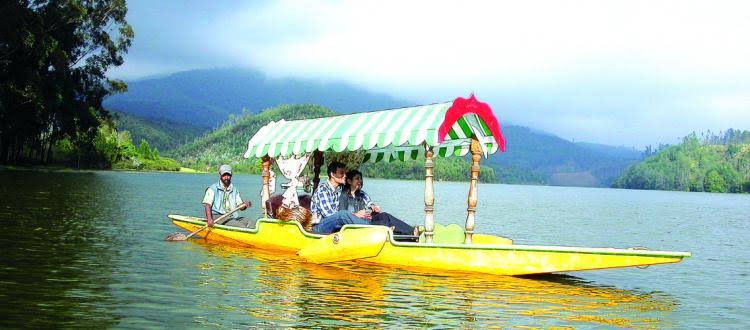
(266, 173)
(476, 156)
(429, 196)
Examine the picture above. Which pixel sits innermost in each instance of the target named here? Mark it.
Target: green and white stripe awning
(396, 134)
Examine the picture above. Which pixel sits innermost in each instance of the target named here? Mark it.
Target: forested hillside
(446, 169)
(542, 158)
(532, 157)
(161, 134)
(712, 164)
(206, 98)
(228, 143)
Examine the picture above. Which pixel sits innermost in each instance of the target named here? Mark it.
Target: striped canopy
(387, 135)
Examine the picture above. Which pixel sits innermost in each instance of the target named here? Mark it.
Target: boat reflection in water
(281, 290)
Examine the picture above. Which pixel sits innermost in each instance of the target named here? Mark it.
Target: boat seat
(450, 234)
(454, 234)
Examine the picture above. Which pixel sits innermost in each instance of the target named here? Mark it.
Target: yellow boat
(445, 129)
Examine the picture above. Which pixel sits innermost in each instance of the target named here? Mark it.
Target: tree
(714, 182)
(145, 150)
(54, 56)
(107, 145)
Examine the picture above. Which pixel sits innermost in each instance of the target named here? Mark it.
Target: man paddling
(223, 196)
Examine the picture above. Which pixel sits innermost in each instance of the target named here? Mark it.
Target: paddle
(181, 237)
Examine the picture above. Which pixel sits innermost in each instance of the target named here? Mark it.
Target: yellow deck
(489, 254)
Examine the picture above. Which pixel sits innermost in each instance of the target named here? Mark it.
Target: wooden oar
(181, 237)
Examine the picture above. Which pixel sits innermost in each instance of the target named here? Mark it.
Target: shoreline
(68, 169)
(186, 170)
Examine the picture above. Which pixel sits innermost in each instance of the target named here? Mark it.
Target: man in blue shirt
(325, 203)
(223, 196)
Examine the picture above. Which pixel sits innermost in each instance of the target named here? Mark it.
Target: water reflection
(281, 290)
(87, 250)
(56, 255)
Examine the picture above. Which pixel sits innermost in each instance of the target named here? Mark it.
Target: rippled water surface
(87, 250)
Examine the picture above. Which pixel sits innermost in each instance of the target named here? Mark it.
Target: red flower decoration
(462, 106)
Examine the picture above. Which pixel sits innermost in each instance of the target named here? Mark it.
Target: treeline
(109, 149)
(711, 163)
(446, 169)
(511, 174)
(730, 136)
(117, 151)
(54, 56)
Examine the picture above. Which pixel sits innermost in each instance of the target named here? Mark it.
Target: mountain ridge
(207, 97)
(216, 98)
(556, 161)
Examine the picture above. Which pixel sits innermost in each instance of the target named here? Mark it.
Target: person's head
(337, 172)
(354, 180)
(225, 174)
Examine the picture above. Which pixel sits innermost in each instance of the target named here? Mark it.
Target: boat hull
(371, 245)
(518, 259)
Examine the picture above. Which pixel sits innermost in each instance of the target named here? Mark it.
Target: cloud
(620, 72)
(407, 40)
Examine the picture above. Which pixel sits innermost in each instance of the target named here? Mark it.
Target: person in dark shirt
(359, 203)
(327, 217)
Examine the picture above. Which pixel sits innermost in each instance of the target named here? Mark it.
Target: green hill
(694, 166)
(532, 157)
(160, 134)
(228, 143)
(207, 98)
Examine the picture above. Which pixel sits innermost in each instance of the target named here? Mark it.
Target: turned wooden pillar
(429, 196)
(265, 166)
(476, 156)
(317, 164)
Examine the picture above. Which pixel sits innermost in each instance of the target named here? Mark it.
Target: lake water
(87, 250)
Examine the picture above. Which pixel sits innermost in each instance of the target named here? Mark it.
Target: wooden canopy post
(266, 174)
(317, 164)
(476, 156)
(429, 196)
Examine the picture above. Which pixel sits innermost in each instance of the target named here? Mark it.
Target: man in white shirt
(222, 197)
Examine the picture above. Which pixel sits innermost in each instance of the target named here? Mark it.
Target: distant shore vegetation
(110, 149)
(707, 162)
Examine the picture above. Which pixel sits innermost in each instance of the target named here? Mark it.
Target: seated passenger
(223, 196)
(327, 218)
(356, 201)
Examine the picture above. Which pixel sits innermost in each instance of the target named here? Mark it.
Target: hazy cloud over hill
(616, 72)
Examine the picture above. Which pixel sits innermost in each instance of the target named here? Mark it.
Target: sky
(626, 73)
